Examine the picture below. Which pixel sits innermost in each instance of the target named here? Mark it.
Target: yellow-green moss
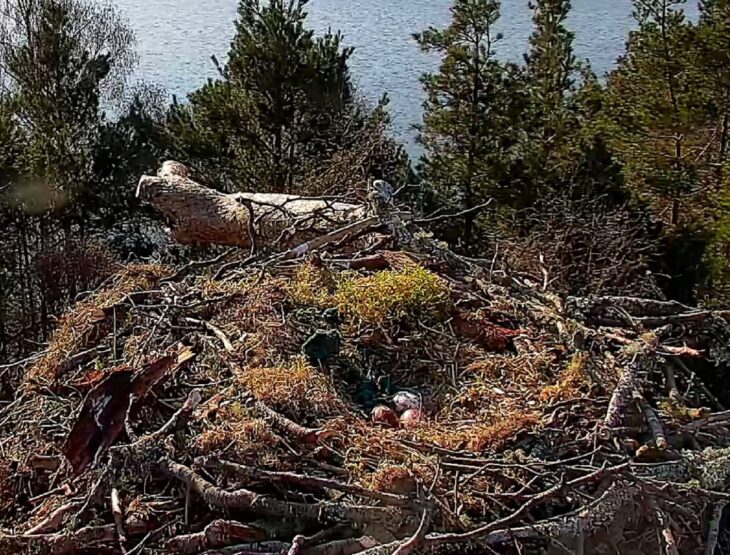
(311, 286)
(573, 380)
(412, 292)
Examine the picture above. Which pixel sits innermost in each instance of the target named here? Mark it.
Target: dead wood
(198, 214)
(268, 506)
(218, 533)
(252, 473)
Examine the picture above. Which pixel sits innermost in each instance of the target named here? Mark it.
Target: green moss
(410, 293)
(311, 286)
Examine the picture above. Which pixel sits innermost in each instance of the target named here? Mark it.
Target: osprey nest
(337, 382)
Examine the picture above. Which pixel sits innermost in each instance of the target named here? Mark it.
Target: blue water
(177, 37)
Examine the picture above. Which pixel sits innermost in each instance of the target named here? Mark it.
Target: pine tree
(471, 112)
(552, 70)
(284, 104)
(652, 106)
(63, 62)
(713, 48)
(712, 84)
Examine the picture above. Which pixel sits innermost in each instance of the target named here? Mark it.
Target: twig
(672, 389)
(526, 507)
(456, 215)
(307, 435)
(331, 237)
(654, 423)
(219, 333)
(417, 539)
(268, 506)
(216, 534)
(714, 531)
(198, 264)
(55, 520)
(679, 363)
(118, 514)
(249, 472)
(665, 531)
(622, 393)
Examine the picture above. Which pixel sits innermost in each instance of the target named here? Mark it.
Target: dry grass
(573, 381)
(253, 318)
(296, 389)
(239, 438)
(399, 478)
(90, 319)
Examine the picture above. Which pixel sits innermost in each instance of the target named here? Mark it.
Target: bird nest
(262, 406)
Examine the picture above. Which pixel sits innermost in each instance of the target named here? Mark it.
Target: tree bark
(200, 215)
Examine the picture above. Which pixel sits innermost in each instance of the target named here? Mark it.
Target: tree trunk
(200, 215)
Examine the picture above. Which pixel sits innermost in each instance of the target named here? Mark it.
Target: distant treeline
(615, 187)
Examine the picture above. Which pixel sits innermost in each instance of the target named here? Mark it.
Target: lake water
(177, 37)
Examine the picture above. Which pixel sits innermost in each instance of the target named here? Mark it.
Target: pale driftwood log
(200, 215)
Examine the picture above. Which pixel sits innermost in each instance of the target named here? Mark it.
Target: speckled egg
(406, 400)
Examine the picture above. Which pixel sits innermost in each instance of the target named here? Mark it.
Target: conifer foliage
(471, 113)
(66, 168)
(283, 104)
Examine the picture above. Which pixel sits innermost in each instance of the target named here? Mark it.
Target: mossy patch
(410, 293)
(297, 389)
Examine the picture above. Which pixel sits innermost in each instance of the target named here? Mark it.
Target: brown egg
(412, 418)
(385, 416)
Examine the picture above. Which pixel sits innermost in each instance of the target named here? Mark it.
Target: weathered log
(200, 215)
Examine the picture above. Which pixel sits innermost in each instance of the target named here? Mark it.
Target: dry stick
(622, 394)
(68, 542)
(718, 419)
(679, 363)
(253, 473)
(669, 350)
(251, 548)
(180, 417)
(595, 515)
(672, 389)
(665, 533)
(219, 333)
(216, 534)
(198, 264)
(348, 546)
(417, 539)
(131, 435)
(696, 316)
(448, 217)
(714, 532)
(118, 517)
(55, 520)
(556, 490)
(331, 237)
(654, 423)
(251, 226)
(327, 534)
(268, 506)
(307, 435)
(92, 496)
